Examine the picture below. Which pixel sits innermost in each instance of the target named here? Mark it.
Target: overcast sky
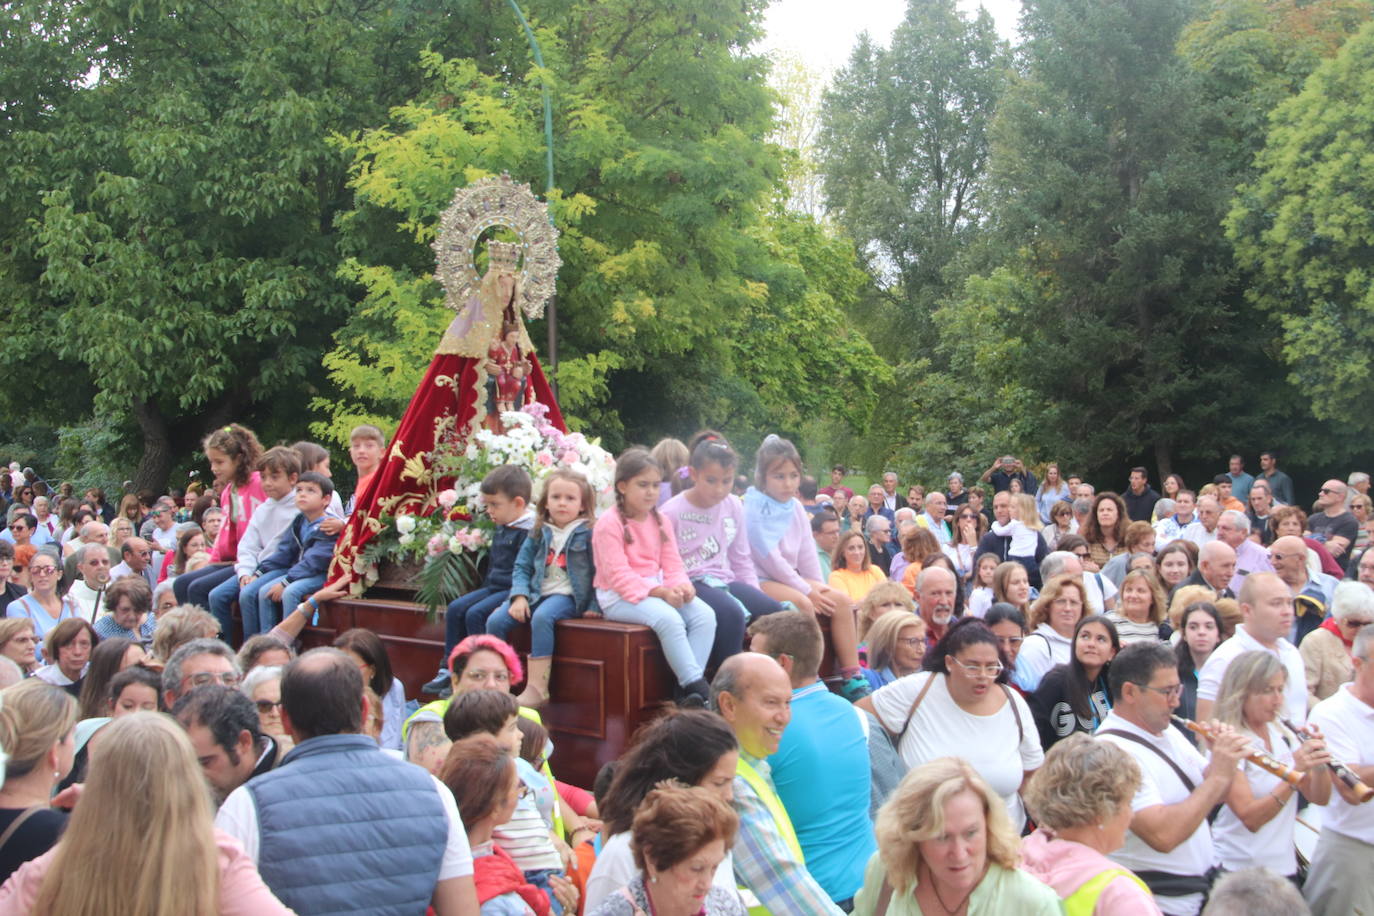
(822, 32)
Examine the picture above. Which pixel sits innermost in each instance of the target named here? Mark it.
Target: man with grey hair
(1357, 484)
(1311, 590)
(88, 591)
(891, 498)
(1208, 513)
(1337, 882)
(94, 532)
(935, 591)
(1066, 563)
(1233, 530)
(753, 694)
(881, 547)
(1254, 892)
(1082, 508)
(1216, 565)
(195, 664)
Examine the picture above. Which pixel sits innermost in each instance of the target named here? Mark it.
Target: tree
(1305, 226)
(799, 91)
(167, 240)
(904, 151)
(674, 283)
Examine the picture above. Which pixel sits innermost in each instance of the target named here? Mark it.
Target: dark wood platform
(608, 678)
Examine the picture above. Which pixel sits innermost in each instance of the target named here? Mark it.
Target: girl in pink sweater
(785, 555)
(640, 578)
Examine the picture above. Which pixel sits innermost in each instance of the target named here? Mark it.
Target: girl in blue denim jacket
(552, 580)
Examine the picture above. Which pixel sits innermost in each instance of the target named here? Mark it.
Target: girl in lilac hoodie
(785, 554)
(708, 521)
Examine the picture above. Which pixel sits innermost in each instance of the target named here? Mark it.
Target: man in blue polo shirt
(821, 767)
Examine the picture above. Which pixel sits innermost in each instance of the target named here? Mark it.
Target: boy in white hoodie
(279, 466)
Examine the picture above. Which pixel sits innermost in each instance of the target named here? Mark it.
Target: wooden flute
(1257, 757)
(1342, 772)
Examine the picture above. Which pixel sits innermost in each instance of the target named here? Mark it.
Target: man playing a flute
(1169, 845)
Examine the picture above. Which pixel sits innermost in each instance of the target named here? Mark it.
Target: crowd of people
(1008, 696)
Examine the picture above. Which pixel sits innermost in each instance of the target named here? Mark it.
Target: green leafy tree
(904, 152)
(682, 291)
(167, 241)
(1305, 226)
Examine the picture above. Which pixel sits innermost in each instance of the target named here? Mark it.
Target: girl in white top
(1255, 827)
(1052, 619)
(1023, 528)
(961, 706)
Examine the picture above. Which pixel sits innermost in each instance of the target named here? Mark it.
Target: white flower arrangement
(449, 530)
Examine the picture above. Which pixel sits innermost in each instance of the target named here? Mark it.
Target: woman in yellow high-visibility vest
(1081, 800)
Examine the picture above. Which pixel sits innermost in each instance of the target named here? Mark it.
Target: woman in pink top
(184, 865)
(1081, 799)
(785, 555)
(234, 452)
(640, 577)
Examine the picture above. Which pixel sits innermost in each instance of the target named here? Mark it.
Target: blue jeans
(686, 634)
(257, 616)
(467, 615)
(544, 613)
(261, 613)
(222, 598)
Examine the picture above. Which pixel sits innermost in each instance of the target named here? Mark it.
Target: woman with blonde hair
(1011, 585)
(851, 570)
(181, 624)
(37, 731)
(896, 646)
(1081, 802)
(145, 792)
(121, 529)
(882, 599)
(1140, 606)
(946, 845)
(1255, 827)
(1052, 619)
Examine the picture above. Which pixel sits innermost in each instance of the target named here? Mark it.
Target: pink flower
(436, 545)
(544, 459)
(569, 456)
(448, 498)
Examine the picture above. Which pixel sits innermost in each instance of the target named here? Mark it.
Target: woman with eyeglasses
(262, 685)
(1060, 524)
(896, 645)
(1326, 650)
(1075, 697)
(960, 706)
(1255, 826)
(42, 605)
(1053, 617)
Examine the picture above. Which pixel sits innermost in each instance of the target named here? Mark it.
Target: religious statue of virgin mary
(485, 363)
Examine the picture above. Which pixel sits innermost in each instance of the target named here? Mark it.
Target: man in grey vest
(341, 827)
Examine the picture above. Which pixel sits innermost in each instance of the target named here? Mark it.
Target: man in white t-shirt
(1169, 845)
(1266, 608)
(1338, 881)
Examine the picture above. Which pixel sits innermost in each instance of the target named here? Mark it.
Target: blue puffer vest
(345, 828)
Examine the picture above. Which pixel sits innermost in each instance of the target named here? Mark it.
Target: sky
(823, 32)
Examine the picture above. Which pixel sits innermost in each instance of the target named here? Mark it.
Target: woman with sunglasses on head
(969, 528)
(960, 705)
(42, 604)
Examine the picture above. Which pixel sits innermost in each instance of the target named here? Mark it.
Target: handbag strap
(1178, 770)
(910, 712)
(1011, 701)
(884, 898)
(17, 823)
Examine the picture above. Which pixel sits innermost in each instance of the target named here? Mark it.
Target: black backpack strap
(1178, 770)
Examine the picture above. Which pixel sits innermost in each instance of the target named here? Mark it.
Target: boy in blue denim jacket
(506, 496)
